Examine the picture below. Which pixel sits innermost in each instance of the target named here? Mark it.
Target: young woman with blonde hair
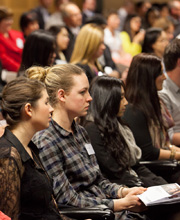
(66, 151)
(89, 46)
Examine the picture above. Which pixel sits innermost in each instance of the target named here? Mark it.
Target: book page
(159, 194)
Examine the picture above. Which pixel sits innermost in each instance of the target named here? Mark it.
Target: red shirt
(11, 50)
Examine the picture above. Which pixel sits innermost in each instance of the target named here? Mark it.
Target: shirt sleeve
(63, 190)
(138, 125)
(128, 46)
(167, 102)
(9, 187)
(7, 62)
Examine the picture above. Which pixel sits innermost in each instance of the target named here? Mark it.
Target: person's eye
(82, 92)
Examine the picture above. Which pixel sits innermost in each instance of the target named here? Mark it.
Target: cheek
(59, 41)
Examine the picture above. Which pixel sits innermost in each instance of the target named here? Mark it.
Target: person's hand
(130, 200)
(133, 191)
(139, 37)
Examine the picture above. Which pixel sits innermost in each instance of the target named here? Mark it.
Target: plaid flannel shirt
(76, 176)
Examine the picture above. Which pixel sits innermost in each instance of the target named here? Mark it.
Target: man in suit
(42, 12)
(72, 18)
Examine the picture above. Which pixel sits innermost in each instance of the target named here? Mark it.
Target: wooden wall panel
(20, 6)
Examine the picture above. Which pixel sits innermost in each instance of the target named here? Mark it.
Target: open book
(163, 194)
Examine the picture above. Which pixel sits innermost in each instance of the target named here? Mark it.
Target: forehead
(113, 16)
(122, 89)
(80, 81)
(72, 9)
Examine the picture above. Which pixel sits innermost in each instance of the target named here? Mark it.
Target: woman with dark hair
(61, 35)
(155, 41)
(39, 50)
(146, 114)
(116, 151)
(26, 191)
(151, 16)
(28, 23)
(131, 35)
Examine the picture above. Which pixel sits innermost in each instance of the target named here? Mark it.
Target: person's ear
(61, 95)
(28, 109)
(178, 62)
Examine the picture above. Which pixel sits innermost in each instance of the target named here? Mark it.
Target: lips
(87, 107)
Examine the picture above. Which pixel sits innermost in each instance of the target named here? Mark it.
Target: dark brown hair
(16, 94)
(5, 13)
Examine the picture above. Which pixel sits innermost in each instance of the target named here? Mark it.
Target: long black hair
(106, 93)
(38, 48)
(141, 89)
(151, 36)
(127, 26)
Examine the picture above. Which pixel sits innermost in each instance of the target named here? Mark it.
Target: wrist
(122, 192)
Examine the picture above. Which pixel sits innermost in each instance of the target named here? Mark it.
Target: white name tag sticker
(19, 43)
(89, 149)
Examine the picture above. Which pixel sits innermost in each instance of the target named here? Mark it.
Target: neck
(4, 32)
(159, 54)
(111, 30)
(133, 33)
(174, 75)
(24, 133)
(61, 117)
(92, 62)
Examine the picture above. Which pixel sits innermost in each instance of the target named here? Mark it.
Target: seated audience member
(88, 9)
(105, 59)
(11, 42)
(28, 23)
(72, 18)
(146, 114)
(62, 40)
(164, 10)
(26, 191)
(39, 50)
(65, 149)
(127, 7)
(88, 47)
(113, 142)
(112, 38)
(56, 17)
(167, 26)
(174, 9)
(141, 8)
(151, 16)
(170, 93)
(42, 12)
(131, 35)
(155, 41)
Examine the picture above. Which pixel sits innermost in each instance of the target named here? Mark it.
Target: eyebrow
(85, 88)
